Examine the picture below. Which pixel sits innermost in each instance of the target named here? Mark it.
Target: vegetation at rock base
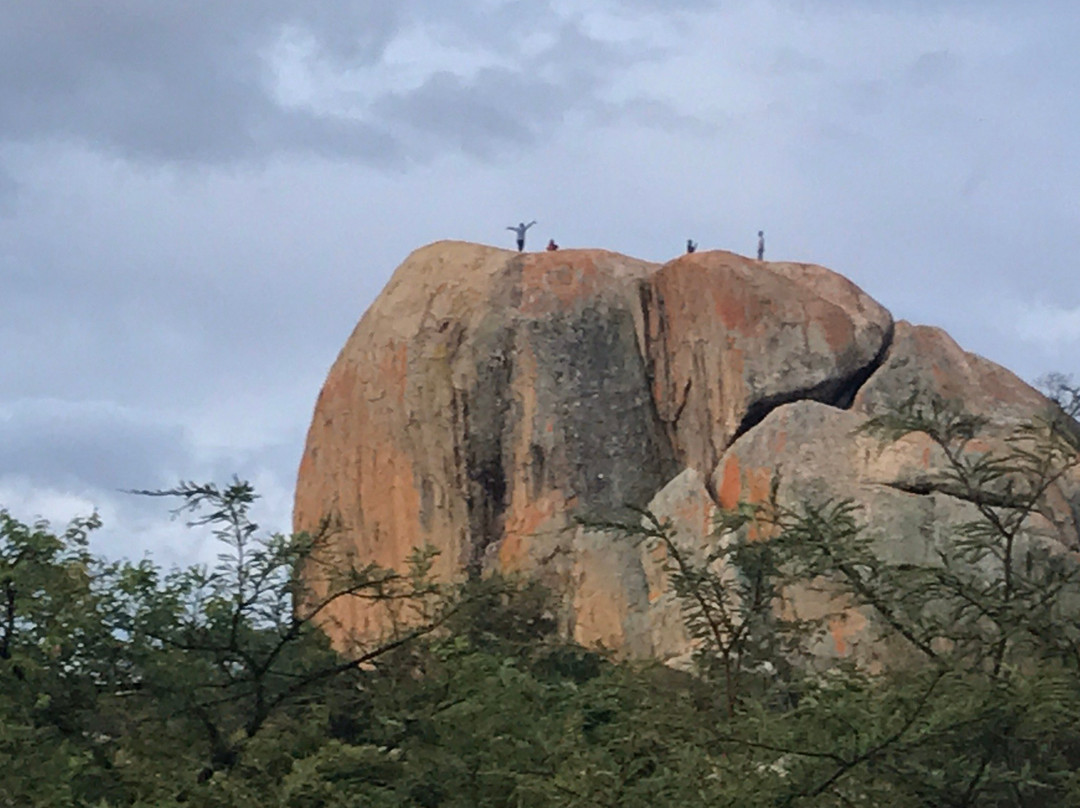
(124, 684)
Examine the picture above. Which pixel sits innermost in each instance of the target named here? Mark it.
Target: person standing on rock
(691, 245)
(761, 245)
(520, 231)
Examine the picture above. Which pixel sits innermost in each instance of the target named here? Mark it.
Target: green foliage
(728, 596)
(137, 684)
(238, 646)
(128, 685)
(55, 656)
(989, 626)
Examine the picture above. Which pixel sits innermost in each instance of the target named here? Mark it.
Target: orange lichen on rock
(758, 483)
(729, 492)
(838, 329)
(523, 521)
(737, 485)
(725, 334)
(844, 628)
(656, 574)
(599, 600)
(393, 367)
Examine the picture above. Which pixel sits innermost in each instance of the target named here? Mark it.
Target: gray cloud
(178, 80)
(791, 61)
(91, 445)
(654, 114)
(500, 106)
(189, 250)
(62, 459)
(933, 68)
(495, 107)
(9, 193)
(868, 97)
(667, 6)
(174, 81)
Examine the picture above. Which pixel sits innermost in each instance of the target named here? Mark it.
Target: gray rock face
(818, 452)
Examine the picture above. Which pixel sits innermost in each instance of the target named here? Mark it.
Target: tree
(125, 684)
(728, 596)
(56, 656)
(983, 706)
(229, 649)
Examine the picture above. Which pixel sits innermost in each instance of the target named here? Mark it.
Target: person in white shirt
(520, 230)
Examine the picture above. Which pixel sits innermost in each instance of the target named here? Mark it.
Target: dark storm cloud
(9, 191)
(97, 445)
(178, 80)
(191, 81)
(933, 68)
(501, 106)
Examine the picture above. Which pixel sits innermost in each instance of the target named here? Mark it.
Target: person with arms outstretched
(520, 231)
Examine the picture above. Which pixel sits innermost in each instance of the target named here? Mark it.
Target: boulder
(493, 404)
(728, 339)
(817, 453)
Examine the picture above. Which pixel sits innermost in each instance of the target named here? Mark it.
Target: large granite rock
(488, 400)
(817, 452)
(729, 339)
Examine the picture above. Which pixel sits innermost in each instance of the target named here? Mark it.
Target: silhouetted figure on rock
(761, 245)
(691, 245)
(552, 246)
(520, 231)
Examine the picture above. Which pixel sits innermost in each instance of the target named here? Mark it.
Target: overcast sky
(199, 198)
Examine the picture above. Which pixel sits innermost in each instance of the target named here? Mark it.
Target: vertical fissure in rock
(537, 470)
(486, 425)
(488, 420)
(651, 348)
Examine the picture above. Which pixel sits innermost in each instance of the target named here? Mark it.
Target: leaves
(129, 685)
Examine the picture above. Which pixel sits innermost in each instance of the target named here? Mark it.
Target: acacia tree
(1003, 578)
(55, 658)
(983, 708)
(1001, 602)
(727, 594)
(230, 648)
